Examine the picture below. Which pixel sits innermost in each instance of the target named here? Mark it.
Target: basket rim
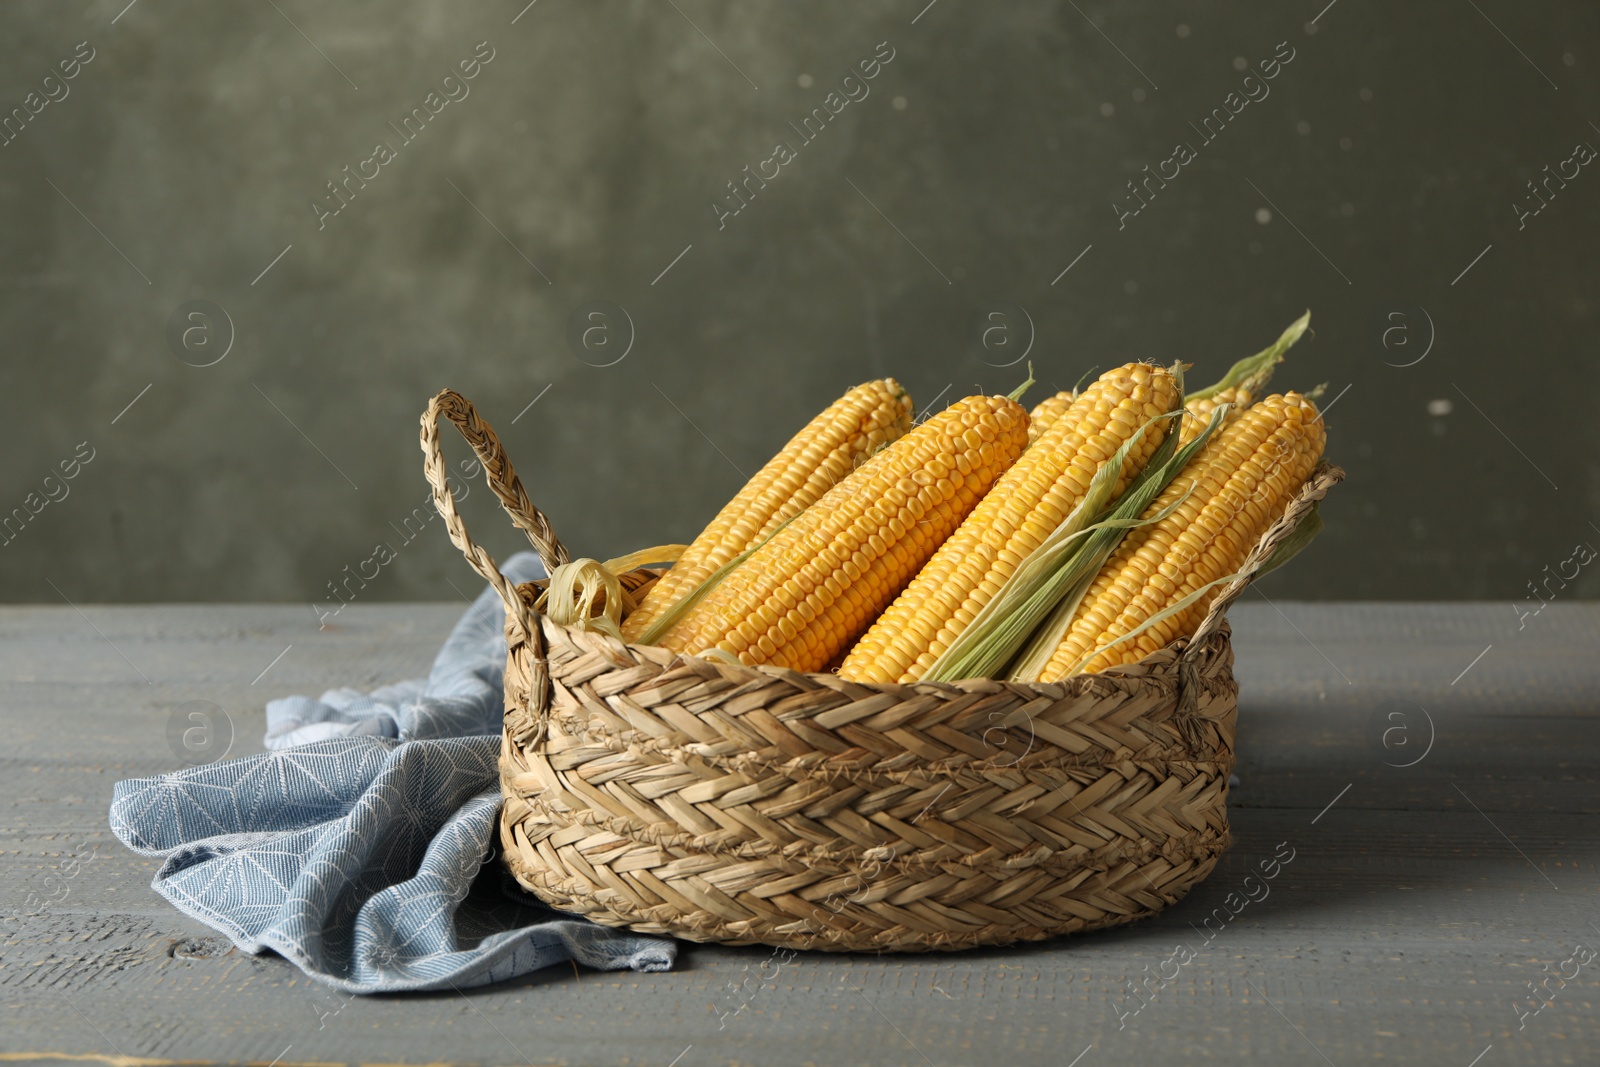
(1154, 667)
(1196, 692)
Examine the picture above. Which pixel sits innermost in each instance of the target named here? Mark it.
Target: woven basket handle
(1322, 479)
(506, 485)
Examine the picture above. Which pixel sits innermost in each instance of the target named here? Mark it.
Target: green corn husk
(1255, 371)
(1074, 579)
(1004, 624)
(1303, 534)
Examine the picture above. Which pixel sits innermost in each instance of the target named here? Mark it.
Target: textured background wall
(183, 160)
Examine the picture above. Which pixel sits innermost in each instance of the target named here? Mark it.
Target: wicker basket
(755, 805)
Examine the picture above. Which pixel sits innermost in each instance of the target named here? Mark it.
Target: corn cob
(833, 444)
(1245, 380)
(1241, 481)
(1033, 498)
(1046, 412)
(806, 594)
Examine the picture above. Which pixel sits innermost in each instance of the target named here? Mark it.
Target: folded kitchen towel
(354, 847)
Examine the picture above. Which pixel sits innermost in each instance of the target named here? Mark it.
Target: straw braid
(522, 627)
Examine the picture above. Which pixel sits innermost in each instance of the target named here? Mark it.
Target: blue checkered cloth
(361, 846)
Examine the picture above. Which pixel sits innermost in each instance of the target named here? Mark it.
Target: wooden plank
(1406, 926)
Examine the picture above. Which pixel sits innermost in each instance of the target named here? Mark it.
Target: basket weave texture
(755, 805)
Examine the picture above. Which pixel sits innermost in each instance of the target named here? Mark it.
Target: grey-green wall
(186, 154)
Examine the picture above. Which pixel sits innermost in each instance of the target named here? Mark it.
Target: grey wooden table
(1432, 769)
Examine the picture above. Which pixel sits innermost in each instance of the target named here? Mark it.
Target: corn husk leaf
(1004, 624)
(1255, 371)
(1031, 663)
(580, 589)
(577, 589)
(645, 557)
(998, 623)
(1076, 577)
(1011, 621)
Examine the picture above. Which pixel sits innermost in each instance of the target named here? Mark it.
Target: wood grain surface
(1419, 904)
